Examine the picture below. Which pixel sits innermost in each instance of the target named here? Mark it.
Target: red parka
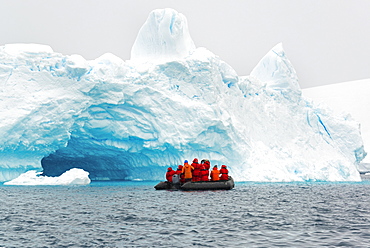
(224, 173)
(196, 172)
(207, 165)
(203, 173)
(169, 174)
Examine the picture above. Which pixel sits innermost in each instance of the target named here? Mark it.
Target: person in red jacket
(169, 174)
(196, 172)
(224, 173)
(207, 165)
(181, 175)
(203, 173)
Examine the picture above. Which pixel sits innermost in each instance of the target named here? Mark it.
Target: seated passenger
(203, 173)
(215, 174)
(169, 174)
(196, 172)
(207, 164)
(181, 175)
(186, 170)
(224, 173)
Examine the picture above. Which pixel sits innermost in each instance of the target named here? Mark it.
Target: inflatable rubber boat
(204, 185)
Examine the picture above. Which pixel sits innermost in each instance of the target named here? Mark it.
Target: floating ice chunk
(71, 177)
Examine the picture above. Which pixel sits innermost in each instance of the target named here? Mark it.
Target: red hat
(223, 166)
(170, 168)
(195, 160)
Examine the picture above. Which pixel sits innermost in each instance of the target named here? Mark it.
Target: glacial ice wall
(131, 119)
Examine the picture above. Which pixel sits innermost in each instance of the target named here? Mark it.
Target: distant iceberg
(70, 177)
(346, 98)
(172, 101)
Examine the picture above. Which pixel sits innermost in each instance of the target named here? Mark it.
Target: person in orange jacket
(196, 172)
(215, 174)
(169, 174)
(186, 170)
(224, 173)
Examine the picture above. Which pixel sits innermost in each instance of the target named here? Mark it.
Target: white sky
(328, 41)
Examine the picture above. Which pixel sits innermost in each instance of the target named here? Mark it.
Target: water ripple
(135, 215)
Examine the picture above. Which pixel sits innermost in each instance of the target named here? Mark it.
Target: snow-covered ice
(71, 177)
(172, 101)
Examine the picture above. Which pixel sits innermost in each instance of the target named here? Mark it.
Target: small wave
(71, 177)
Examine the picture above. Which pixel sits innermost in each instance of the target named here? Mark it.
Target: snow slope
(131, 119)
(347, 98)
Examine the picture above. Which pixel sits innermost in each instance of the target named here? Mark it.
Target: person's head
(223, 166)
(195, 160)
(215, 167)
(169, 169)
(179, 167)
(185, 162)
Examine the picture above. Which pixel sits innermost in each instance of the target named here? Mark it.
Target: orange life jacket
(187, 170)
(215, 175)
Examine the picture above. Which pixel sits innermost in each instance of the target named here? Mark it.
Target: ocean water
(134, 214)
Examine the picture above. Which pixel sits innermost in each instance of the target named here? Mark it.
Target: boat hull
(209, 185)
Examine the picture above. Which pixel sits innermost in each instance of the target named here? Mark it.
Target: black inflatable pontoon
(209, 185)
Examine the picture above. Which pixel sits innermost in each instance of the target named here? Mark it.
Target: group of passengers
(196, 172)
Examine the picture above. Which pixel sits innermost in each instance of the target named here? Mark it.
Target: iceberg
(126, 120)
(71, 177)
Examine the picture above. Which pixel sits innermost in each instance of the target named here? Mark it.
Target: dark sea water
(133, 214)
